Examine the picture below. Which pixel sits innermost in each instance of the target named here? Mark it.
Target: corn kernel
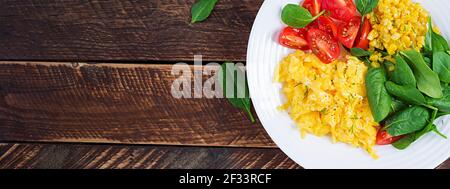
(397, 25)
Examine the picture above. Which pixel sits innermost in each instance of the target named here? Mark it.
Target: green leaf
(427, 81)
(397, 106)
(433, 41)
(201, 10)
(297, 16)
(427, 61)
(358, 52)
(443, 104)
(439, 43)
(366, 6)
(407, 121)
(428, 37)
(239, 96)
(379, 99)
(409, 94)
(441, 65)
(406, 141)
(403, 75)
(410, 138)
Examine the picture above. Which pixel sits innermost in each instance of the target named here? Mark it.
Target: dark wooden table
(86, 84)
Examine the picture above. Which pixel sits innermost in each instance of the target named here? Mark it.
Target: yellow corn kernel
(397, 25)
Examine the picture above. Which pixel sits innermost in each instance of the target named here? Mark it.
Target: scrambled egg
(328, 99)
(396, 25)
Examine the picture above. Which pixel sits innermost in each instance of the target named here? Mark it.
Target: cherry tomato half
(340, 9)
(362, 41)
(314, 6)
(294, 38)
(323, 45)
(328, 25)
(347, 32)
(383, 138)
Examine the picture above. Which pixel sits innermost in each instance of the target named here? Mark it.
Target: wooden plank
(123, 30)
(89, 156)
(69, 156)
(114, 103)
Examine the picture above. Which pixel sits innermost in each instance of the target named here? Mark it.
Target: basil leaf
(408, 94)
(366, 6)
(403, 75)
(201, 10)
(228, 80)
(427, 81)
(379, 99)
(358, 52)
(297, 16)
(407, 121)
(441, 65)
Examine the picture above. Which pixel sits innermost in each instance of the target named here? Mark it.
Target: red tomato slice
(347, 32)
(294, 38)
(362, 41)
(383, 138)
(340, 9)
(328, 25)
(314, 6)
(323, 45)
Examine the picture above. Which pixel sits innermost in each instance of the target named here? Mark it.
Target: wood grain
(122, 30)
(89, 156)
(75, 156)
(114, 103)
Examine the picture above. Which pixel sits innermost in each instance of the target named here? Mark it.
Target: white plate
(264, 54)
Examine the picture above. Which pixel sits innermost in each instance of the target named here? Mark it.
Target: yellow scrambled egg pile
(328, 99)
(397, 25)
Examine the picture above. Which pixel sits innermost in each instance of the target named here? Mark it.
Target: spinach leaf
(408, 94)
(358, 52)
(433, 41)
(201, 10)
(441, 65)
(406, 141)
(439, 43)
(366, 6)
(427, 81)
(428, 37)
(297, 16)
(228, 80)
(427, 61)
(397, 106)
(403, 75)
(410, 138)
(407, 121)
(443, 104)
(379, 99)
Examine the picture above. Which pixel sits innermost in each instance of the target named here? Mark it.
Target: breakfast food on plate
(328, 99)
(364, 72)
(396, 25)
